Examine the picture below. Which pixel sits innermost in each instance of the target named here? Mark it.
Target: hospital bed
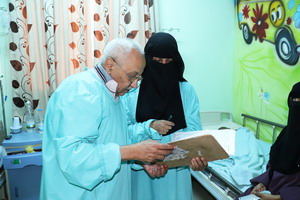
(226, 179)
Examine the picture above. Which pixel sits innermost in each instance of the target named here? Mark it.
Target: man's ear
(109, 65)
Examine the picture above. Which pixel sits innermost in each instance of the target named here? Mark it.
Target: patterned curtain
(52, 39)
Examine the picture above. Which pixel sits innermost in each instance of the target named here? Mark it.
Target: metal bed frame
(218, 186)
(258, 121)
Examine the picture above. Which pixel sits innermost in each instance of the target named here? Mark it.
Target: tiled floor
(199, 193)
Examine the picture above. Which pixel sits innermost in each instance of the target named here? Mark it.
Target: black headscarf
(159, 96)
(285, 152)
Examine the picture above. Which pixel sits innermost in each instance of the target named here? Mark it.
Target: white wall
(206, 42)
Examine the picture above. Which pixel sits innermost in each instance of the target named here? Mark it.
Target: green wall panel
(264, 75)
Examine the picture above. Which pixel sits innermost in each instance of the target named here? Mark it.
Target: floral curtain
(52, 39)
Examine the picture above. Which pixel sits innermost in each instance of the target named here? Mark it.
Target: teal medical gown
(176, 184)
(84, 129)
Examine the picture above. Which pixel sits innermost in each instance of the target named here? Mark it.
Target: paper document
(225, 137)
(211, 144)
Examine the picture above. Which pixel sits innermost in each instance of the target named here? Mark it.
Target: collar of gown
(110, 83)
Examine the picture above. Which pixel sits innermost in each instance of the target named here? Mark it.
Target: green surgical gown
(84, 128)
(176, 184)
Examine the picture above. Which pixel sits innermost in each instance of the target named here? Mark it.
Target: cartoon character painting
(275, 21)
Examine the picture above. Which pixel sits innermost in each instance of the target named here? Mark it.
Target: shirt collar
(110, 83)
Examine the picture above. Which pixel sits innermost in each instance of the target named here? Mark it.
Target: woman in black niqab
(159, 97)
(285, 152)
(282, 177)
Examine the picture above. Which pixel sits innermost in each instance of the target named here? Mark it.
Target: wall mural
(267, 58)
(274, 21)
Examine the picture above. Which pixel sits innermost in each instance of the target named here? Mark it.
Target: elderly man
(84, 146)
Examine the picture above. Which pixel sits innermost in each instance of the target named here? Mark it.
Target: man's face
(128, 71)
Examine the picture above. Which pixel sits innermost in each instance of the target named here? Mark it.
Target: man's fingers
(160, 157)
(166, 147)
(165, 152)
(151, 141)
(157, 151)
(160, 171)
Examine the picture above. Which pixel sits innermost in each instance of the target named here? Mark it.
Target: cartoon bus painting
(275, 21)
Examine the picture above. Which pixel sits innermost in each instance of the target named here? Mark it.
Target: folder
(205, 145)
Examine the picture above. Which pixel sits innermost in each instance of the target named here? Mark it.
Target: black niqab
(285, 152)
(159, 97)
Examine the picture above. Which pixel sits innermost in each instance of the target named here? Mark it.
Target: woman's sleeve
(263, 178)
(138, 131)
(142, 131)
(290, 193)
(191, 107)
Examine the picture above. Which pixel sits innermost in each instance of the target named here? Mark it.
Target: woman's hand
(263, 196)
(198, 163)
(162, 126)
(258, 188)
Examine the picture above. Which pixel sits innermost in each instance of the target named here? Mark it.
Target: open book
(211, 144)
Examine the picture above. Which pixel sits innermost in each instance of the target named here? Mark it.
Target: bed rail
(229, 188)
(218, 186)
(258, 121)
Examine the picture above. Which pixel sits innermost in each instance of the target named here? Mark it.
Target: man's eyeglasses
(131, 78)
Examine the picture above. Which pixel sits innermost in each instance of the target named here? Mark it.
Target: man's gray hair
(120, 47)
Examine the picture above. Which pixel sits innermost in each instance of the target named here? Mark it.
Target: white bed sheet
(249, 161)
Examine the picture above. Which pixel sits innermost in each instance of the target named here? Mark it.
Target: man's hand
(146, 151)
(162, 126)
(156, 170)
(198, 163)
